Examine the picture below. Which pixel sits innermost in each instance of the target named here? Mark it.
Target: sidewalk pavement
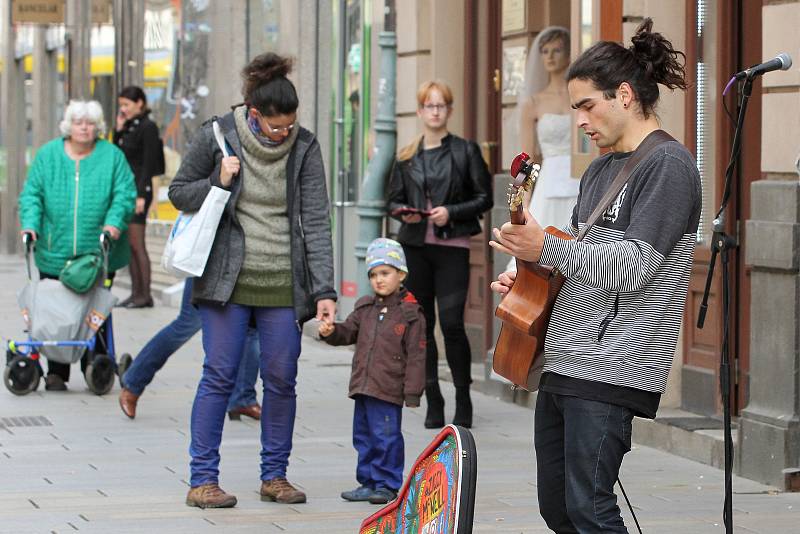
(90, 469)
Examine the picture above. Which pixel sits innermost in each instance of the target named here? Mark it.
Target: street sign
(101, 11)
(37, 11)
(52, 11)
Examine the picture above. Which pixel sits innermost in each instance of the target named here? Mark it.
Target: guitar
(525, 310)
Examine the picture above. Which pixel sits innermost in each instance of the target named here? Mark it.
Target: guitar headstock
(524, 173)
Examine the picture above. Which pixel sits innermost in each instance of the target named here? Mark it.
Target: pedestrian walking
(168, 340)
(78, 186)
(272, 264)
(388, 329)
(138, 137)
(613, 330)
(439, 188)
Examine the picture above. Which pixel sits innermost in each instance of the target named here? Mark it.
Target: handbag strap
(648, 145)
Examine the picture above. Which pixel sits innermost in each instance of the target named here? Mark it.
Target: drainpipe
(371, 206)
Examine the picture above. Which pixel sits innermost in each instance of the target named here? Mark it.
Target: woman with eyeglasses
(79, 185)
(271, 265)
(439, 189)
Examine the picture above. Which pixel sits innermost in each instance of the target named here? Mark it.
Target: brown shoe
(279, 490)
(210, 496)
(253, 411)
(127, 401)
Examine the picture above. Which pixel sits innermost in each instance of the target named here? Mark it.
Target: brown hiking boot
(279, 490)
(127, 401)
(210, 496)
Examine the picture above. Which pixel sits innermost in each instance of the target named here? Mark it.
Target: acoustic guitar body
(525, 313)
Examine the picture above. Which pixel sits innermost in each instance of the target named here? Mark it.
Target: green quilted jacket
(68, 209)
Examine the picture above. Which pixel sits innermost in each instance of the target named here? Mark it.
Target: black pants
(579, 448)
(439, 276)
(62, 369)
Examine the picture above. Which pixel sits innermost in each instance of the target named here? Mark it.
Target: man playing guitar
(614, 326)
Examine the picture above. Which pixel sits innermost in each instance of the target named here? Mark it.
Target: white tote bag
(192, 236)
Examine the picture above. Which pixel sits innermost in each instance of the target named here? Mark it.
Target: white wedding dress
(555, 192)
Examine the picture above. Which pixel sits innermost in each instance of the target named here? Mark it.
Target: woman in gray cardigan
(271, 264)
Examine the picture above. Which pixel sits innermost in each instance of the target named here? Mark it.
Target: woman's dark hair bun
(656, 55)
(263, 69)
(266, 86)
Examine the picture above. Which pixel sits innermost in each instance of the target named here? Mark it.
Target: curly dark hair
(266, 87)
(649, 61)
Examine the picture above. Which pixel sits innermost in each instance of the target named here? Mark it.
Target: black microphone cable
(630, 506)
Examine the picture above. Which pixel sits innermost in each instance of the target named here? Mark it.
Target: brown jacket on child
(389, 362)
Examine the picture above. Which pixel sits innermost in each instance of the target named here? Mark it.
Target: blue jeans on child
(173, 336)
(224, 332)
(379, 441)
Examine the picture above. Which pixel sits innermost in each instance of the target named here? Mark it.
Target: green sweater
(266, 275)
(68, 210)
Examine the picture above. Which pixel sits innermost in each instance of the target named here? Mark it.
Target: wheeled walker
(92, 339)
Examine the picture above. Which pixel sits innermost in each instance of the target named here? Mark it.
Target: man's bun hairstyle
(266, 86)
(649, 61)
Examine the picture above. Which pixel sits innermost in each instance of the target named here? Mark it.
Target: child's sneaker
(382, 496)
(360, 494)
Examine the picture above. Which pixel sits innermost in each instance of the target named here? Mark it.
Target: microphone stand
(722, 244)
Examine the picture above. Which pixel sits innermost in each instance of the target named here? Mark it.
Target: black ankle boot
(463, 415)
(434, 418)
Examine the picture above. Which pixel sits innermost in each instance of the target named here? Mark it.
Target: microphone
(780, 62)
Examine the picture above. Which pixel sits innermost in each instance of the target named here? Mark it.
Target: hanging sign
(53, 11)
(37, 11)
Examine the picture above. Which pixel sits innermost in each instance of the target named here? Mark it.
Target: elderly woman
(78, 186)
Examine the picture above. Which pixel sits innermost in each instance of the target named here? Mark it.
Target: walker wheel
(100, 374)
(22, 375)
(123, 364)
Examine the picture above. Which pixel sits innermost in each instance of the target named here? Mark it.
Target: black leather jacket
(466, 195)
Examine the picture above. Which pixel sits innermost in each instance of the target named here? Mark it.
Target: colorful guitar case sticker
(436, 492)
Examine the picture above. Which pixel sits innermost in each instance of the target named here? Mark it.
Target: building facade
(194, 50)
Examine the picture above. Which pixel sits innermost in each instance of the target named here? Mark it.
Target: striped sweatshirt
(617, 317)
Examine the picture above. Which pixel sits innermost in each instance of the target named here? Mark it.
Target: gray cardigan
(307, 206)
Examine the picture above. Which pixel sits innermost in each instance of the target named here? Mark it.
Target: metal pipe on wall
(372, 204)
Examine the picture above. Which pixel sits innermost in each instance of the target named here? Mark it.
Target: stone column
(43, 94)
(128, 44)
(12, 111)
(769, 428)
(78, 16)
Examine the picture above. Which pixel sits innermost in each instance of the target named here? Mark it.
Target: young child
(388, 329)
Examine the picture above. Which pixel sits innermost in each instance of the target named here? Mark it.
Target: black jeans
(439, 276)
(579, 449)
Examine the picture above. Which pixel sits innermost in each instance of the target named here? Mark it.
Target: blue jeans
(173, 336)
(379, 442)
(579, 449)
(224, 332)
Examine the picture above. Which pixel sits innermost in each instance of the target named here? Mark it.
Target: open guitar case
(438, 497)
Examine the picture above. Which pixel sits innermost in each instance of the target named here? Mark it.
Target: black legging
(439, 275)
(140, 263)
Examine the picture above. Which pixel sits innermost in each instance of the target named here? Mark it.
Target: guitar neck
(518, 215)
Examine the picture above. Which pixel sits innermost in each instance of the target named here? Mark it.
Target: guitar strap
(650, 143)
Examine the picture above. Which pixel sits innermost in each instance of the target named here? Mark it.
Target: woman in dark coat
(439, 188)
(271, 264)
(139, 139)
